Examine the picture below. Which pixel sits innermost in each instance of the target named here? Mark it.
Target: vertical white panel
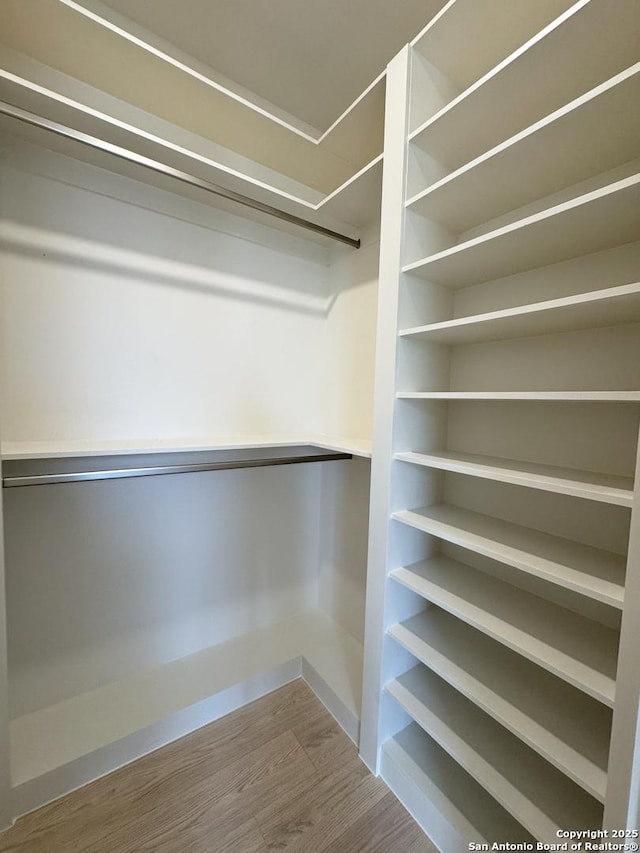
(624, 752)
(633, 818)
(343, 543)
(5, 780)
(6, 814)
(390, 261)
(350, 328)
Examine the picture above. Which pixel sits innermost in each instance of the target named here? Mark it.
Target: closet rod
(17, 480)
(155, 166)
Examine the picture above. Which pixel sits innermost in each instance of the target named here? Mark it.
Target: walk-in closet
(352, 397)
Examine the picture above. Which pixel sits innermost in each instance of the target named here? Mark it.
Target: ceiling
(310, 59)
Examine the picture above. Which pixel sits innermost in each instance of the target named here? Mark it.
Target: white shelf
(351, 206)
(583, 47)
(42, 472)
(352, 197)
(511, 174)
(539, 796)
(256, 131)
(549, 396)
(361, 447)
(564, 726)
(83, 734)
(459, 22)
(449, 804)
(61, 449)
(578, 650)
(542, 159)
(589, 571)
(599, 308)
(358, 200)
(605, 488)
(598, 220)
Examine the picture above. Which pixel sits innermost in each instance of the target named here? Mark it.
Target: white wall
(129, 313)
(105, 578)
(121, 321)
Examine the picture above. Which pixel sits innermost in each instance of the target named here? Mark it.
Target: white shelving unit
(494, 185)
(595, 221)
(577, 650)
(541, 798)
(580, 49)
(591, 571)
(515, 694)
(455, 807)
(474, 193)
(504, 534)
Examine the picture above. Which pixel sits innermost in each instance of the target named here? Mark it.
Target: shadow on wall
(148, 234)
(241, 284)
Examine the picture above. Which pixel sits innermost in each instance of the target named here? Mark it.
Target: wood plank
(224, 799)
(361, 800)
(590, 571)
(567, 728)
(534, 792)
(287, 821)
(389, 831)
(227, 835)
(579, 650)
(322, 739)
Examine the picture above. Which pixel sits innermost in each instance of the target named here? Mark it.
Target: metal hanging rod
(45, 472)
(155, 166)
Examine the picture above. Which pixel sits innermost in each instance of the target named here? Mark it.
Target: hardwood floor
(279, 774)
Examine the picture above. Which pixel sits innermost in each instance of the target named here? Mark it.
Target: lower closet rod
(49, 478)
(155, 166)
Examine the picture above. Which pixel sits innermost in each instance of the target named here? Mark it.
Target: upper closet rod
(124, 154)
